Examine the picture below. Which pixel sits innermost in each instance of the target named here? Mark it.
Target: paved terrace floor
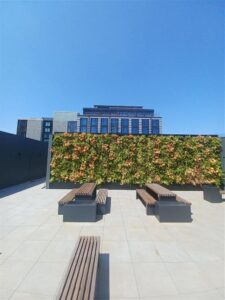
(141, 258)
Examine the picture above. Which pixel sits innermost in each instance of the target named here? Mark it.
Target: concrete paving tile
(153, 280)
(143, 251)
(138, 234)
(116, 281)
(115, 233)
(89, 231)
(209, 295)
(5, 294)
(188, 277)
(214, 272)
(12, 272)
(45, 232)
(171, 252)
(47, 275)
(7, 247)
(68, 232)
(28, 296)
(21, 233)
(203, 251)
(118, 250)
(114, 220)
(29, 251)
(58, 251)
(133, 222)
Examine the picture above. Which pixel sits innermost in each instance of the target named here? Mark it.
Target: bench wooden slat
(179, 199)
(87, 189)
(102, 196)
(159, 190)
(68, 197)
(81, 282)
(80, 278)
(93, 277)
(73, 270)
(146, 197)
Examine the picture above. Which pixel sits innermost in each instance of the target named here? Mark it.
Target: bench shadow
(212, 195)
(108, 206)
(102, 284)
(7, 191)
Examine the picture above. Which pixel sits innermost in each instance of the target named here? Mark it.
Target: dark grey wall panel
(21, 159)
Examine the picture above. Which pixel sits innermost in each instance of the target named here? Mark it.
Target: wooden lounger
(159, 192)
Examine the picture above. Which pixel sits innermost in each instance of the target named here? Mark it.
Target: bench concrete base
(80, 212)
(150, 210)
(60, 209)
(212, 193)
(171, 211)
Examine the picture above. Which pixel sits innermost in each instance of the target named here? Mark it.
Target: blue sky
(65, 55)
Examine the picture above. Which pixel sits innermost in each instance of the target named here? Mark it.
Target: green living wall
(136, 159)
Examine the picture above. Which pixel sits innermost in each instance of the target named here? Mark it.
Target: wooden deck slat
(94, 273)
(147, 198)
(87, 189)
(68, 197)
(102, 196)
(86, 271)
(73, 292)
(67, 282)
(72, 276)
(159, 190)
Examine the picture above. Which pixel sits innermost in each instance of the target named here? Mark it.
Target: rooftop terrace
(140, 257)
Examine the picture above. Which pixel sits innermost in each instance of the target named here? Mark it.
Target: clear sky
(66, 55)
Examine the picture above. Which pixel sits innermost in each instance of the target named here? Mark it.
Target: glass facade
(22, 127)
(145, 126)
(83, 125)
(47, 130)
(135, 126)
(155, 126)
(114, 125)
(104, 125)
(72, 126)
(125, 126)
(94, 125)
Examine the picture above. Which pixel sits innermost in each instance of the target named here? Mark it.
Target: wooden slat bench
(181, 200)
(101, 201)
(80, 279)
(159, 192)
(66, 199)
(147, 200)
(87, 190)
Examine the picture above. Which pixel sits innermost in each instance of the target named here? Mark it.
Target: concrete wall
(60, 120)
(21, 159)
(223, 157)
(34, 129)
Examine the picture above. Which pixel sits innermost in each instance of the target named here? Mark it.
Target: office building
(119, 120)
(98, 119)
(37, 129)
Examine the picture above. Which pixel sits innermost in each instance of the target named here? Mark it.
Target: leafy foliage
(134, 159)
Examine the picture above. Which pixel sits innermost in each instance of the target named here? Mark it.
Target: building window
(72, 126)
(135, 126)
(124, 126)
(47, 124)
(145, 126)
(155, 126)
(47, 129)
(22, 127)
(94, 125)
(83, 125)
(114, 125)
(104, 125)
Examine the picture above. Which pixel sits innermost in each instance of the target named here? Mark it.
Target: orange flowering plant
(131, 159)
